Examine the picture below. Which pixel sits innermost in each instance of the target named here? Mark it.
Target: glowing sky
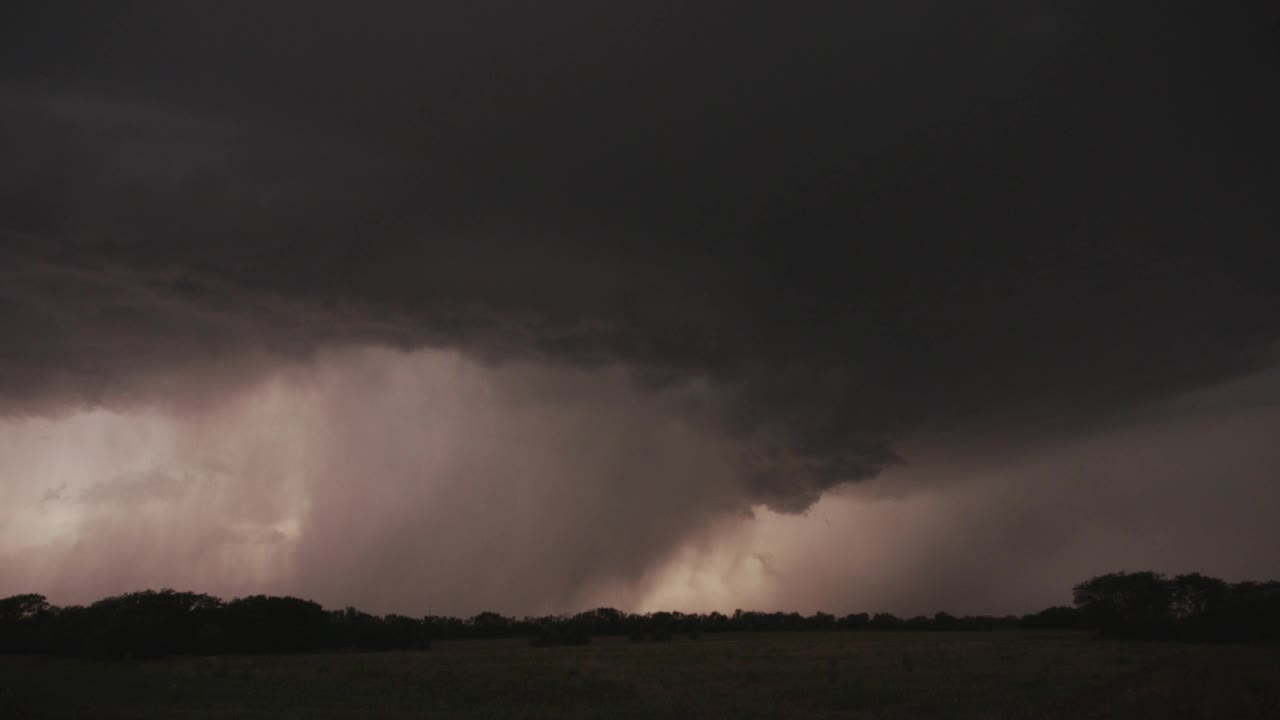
(423, 482)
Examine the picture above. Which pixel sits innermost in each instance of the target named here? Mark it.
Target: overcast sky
(454, 306)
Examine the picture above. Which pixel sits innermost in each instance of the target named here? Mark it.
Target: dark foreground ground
(800, 675)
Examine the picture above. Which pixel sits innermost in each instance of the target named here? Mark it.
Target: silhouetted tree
(1054, 618)
(265, 624)
(885, 621)
(22, 621)
(148, 623)
(489, 624)
(155, 623)
(1251, 612)
(945, 621)
(602, 621)
(1137, 604)
(1188, 607)
(822, 621)
(858, 621)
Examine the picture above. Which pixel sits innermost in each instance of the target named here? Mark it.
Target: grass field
(792, 675)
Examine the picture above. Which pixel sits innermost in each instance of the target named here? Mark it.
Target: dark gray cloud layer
(860, 219)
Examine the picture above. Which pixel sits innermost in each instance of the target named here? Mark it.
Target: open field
(800, 675)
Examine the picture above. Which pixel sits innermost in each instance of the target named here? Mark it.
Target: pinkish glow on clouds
(383, 479)
(425, 483)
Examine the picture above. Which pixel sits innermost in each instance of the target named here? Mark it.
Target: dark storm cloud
(865, 219)
(1170, 488)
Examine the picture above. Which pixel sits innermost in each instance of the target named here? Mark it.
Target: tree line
(1186, 607)
(166, 622)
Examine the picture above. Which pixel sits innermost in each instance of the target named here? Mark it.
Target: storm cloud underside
(646, 268)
